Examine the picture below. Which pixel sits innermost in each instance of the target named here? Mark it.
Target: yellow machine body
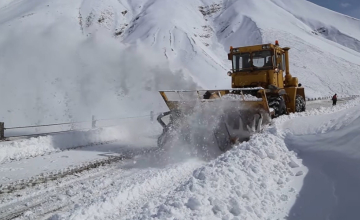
(261, 87)
(266, 66)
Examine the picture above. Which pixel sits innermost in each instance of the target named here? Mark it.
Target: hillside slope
(68, 60)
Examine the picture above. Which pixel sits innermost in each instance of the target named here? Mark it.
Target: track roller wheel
(278, 104)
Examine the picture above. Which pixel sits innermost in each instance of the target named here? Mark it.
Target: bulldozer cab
(253, 61)
(259, 65)
(267, 66)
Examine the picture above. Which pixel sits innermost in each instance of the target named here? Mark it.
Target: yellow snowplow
(261, 88)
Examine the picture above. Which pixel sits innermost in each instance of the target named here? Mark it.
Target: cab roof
(253, 48)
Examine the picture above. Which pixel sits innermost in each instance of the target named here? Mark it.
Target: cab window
(259, 59)
(241, 61)
(262, 59)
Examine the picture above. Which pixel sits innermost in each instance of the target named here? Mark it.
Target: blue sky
(348, 7)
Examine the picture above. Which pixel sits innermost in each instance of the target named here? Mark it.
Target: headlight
(229, 73)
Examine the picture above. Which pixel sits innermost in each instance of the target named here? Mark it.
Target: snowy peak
(62, 46)
(333, 26)
(233, 22)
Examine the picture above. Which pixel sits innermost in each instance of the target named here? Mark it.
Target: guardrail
(329, 97)
(94, 120)
(93, 125)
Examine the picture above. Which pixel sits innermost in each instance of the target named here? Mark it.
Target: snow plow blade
(231, 116)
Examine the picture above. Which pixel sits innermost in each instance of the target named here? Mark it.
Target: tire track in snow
(132, 193)
(119, 186)
(43, 178)
(17, 203)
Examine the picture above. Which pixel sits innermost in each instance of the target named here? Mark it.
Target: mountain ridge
(96, 53)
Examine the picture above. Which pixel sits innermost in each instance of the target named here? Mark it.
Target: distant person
(334, 99)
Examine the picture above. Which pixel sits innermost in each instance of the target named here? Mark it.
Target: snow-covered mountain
(68, 60)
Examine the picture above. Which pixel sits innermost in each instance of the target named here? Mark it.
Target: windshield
(262, 59)
(259, 59)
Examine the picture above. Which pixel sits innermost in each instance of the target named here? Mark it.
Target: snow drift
(125, 133)
(329, 148)
(251, 181)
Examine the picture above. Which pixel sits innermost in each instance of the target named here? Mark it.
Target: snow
(77, 76)
(329, 148)
(118, 54)
(245, 97)
(36, 146)
(322, 113)
(66, 61)
(127, 196)
(257, 179)
(26, 169)
(21, 149)
(250, 181)
(333, 26)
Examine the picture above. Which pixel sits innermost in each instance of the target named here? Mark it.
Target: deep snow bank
(325, 119)
(320, 124)
(254, 180)
(329, 147)
(20, 149)
(250, 181)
